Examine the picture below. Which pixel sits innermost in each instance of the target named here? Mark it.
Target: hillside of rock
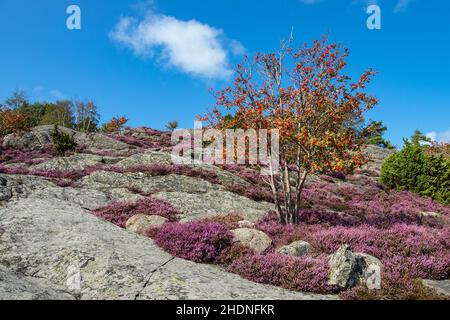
(54, 243)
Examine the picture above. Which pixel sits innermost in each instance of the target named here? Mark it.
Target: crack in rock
(150, 275)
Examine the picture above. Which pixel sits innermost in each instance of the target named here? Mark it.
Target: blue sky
(154, 61)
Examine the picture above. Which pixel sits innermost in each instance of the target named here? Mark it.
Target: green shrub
(58, 113)
(62, 142)
(412, 169)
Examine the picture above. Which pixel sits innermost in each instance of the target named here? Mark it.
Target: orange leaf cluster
(13, 121)
(115, 124)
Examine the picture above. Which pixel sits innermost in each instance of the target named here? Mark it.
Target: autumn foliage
(305, 94)
(115, 124)
(13, 121)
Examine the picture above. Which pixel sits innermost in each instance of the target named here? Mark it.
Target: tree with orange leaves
(305, 94)
(115, 124)
(13, 121)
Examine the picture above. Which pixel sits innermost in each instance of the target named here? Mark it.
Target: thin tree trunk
(299, 196)
(275, 193)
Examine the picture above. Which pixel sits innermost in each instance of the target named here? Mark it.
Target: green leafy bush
(412, 169)
(62, 142)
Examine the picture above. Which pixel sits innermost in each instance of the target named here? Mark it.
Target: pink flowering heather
(119, 212)
(131, 140)
(10, 156)
(165, 169)
(198, 242)
(418, 251)
(154, 140)
(14, 170)
(368, 205)
(304, 274)
(251, 192)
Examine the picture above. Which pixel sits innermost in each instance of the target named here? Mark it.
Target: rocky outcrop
(19, 187)
(347, 269)
(164, 158)
(295, 249)
(78, 161)
(193, 197)
(215, 202)
(18, 287)
(39, 137)
(253, 239)
(377, 156)
(66, 247)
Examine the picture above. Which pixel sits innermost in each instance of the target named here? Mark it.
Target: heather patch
(416, 251)
(16, 156)
(234, 252)
(348, 205)
(145, 138)
(407, 252)
(198, 242)
(304, 274)
(119, 212)
(72, 175)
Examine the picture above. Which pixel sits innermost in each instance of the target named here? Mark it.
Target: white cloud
(439, 136)
(237, 48)
(190, 46)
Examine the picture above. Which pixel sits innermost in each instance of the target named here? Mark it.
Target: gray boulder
(296, 249)
(254, 239)
(141, 223)
(347, 269)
